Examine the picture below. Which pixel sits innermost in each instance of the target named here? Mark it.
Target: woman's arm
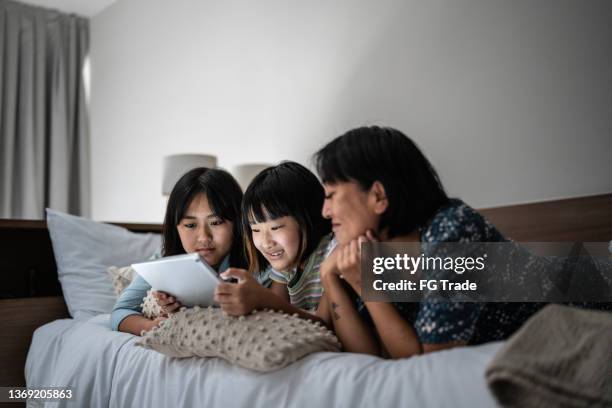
(323, 311)
(396, 334)
(354, 334)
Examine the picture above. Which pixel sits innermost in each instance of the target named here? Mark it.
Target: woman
(379, 185)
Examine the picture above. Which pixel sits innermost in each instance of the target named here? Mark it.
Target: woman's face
(205, 232)
(278, 241)
(352, 211)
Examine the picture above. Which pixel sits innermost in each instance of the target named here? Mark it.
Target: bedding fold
(561, 357)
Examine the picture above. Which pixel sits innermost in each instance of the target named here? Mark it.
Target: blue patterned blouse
(475, 323)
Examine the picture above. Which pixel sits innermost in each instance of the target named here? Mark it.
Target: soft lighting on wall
(178, 164)
(244, 173)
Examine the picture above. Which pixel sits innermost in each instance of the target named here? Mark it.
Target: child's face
(278, 241)
(204, 232)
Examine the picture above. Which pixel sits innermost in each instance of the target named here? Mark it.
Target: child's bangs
(265, 206)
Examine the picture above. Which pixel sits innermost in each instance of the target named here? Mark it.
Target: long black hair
(288, 189)
(369, 154)
(224, 196)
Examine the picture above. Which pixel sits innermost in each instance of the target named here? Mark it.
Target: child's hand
(241, 298)
(168, 303)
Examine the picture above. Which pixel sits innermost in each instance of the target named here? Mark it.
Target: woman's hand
(348, 261)
(328, 268)
(168, 303)
(241, 298)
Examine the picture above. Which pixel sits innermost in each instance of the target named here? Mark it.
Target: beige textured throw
(150, 308)
(121, 277)
(561, 357)
(262, 341)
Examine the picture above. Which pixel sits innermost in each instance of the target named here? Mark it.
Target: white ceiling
(87, 8)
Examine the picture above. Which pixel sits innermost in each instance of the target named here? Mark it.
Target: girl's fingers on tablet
(160, 295)
(224, 298)
(225, 288)
(163, 302)
(235, 273)
(172, 307)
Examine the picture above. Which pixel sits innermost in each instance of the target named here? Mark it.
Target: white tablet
(186, 277)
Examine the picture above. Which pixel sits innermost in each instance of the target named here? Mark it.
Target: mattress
(107, 369)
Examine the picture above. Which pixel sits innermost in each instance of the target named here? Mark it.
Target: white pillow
(84, 249)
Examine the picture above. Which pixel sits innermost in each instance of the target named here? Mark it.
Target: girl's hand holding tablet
(168, 303)
(241, 298)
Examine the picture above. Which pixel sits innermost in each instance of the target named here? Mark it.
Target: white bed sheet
(106, 368)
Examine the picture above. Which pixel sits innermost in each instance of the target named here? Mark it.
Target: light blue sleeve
(129, 301)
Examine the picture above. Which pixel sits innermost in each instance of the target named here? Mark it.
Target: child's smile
(278, 241)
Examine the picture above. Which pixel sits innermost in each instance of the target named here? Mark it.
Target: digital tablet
(186, 277)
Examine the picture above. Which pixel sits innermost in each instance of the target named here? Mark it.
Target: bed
(110, 370)
(106, 368)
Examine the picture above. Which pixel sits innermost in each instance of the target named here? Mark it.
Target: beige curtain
(44, 128)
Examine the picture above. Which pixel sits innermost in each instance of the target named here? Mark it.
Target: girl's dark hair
(288, 189)
(369, 154)
(224, 196)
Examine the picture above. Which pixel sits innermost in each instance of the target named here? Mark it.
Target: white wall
(511, 100)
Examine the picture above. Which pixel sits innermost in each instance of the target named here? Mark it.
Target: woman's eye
(328, 196)
(190, 225)
(217, 222)
(277, 227)
(254, 230)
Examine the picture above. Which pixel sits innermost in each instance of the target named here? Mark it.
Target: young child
(287, 238)
(203, 216)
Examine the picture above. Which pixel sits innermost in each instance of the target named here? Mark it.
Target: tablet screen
(186, 277)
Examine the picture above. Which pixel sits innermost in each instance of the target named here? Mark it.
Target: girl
(203, 216)
(287, 238)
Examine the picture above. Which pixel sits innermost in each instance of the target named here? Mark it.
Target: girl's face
(278, 241)
(205, 232)
(352, 211)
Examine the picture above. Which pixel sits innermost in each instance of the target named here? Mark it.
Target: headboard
(30, 294)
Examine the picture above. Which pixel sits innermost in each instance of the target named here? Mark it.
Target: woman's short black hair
(224, 196)
(288, 189)
(369, 154)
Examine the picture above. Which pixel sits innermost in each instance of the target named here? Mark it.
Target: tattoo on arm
(335, 314)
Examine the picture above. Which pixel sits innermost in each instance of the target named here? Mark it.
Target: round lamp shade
(178, 164)
(244, 173)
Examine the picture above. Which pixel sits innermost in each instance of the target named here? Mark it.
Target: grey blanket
(561, 357)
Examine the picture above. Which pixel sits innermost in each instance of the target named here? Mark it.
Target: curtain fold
(44, 125)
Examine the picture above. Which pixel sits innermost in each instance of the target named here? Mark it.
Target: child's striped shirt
(304, 286)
